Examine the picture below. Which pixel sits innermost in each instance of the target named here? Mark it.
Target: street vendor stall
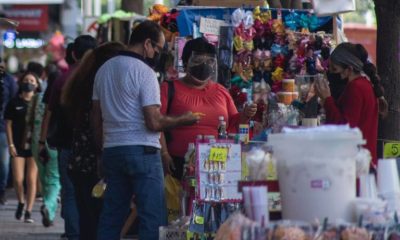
(273, 57)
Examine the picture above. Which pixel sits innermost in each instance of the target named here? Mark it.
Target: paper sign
(391, 150)
(211, 26)
(217, 174)
(218, 154)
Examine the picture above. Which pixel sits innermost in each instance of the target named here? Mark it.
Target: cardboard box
(229, 3)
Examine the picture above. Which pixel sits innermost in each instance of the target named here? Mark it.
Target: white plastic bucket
(317, 171)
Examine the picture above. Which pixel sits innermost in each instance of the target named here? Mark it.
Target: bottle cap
(221, 118)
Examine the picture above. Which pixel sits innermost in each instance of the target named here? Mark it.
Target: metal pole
(97, 8)
(110, 6)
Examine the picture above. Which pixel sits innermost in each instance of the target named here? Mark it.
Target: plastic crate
(172, 233)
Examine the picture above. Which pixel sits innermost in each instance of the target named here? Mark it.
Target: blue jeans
(132, 171)
(69, 209)
(4, 162)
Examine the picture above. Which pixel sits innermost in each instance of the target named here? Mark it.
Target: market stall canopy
(8, 24)
(31, 2)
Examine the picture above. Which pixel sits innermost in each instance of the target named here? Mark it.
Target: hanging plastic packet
(99, 189)
(211, 224)
(197, 220)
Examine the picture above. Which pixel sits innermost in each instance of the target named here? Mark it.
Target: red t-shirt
(213, 100)
(358, 107)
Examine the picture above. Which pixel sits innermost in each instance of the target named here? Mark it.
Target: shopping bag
(331, 7)
(173, 190)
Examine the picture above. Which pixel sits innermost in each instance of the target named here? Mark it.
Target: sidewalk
(12, 229)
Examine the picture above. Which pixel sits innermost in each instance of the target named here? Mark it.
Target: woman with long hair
(20, 118)
(83, 169)
(362, 100)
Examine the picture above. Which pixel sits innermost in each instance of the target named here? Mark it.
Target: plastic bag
(173, 190)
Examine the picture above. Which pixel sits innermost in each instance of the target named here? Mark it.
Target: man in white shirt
(126, 105)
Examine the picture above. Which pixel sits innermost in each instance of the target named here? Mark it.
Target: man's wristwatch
(42, 142)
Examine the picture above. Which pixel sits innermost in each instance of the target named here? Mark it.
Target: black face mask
(201, 72)
(154, 61)
(337, 84)
(27, 87)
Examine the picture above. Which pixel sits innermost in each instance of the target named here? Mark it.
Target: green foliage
(359, 16)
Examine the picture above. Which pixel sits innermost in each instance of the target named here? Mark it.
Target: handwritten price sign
(218, 154)
(391, 150)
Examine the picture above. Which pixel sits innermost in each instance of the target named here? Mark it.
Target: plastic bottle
(222, 133)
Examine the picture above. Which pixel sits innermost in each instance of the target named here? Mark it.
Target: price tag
(391, 150)
(199, 220)
(218, 154)
(193, 183)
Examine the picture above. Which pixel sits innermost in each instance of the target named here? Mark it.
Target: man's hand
(189, 118)
(250, 110)
(157, 122)
(168, 163)
(322, 89)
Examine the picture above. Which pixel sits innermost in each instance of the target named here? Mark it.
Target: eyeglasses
(159, 48)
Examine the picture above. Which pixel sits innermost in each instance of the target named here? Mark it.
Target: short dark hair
(82, 44)
(36, 68)
(198, 45)
(68, 54)
(145, 30)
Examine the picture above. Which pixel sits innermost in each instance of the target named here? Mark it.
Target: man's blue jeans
(132, 171)
(69, 209)
(4, 162)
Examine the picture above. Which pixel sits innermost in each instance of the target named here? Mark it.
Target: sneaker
(20, 209)
(28, 218)
(3, 199)
(45, 216)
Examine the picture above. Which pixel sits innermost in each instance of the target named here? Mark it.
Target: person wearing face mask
(20, 116)
(198, 91)
(362, 100)
(127, 122)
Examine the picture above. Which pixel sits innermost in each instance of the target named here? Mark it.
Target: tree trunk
(132, 6)
(388, 46)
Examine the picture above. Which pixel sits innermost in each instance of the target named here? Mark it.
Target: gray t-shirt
(124, 85)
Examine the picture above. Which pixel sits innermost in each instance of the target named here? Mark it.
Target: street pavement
(12, 229)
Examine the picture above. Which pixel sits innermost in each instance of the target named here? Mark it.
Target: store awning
(31, 2)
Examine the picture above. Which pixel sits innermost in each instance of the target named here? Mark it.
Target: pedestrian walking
(19, 115)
